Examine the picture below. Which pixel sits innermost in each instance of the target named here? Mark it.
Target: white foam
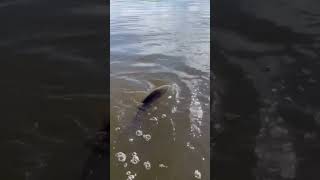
(146, 137)
(135, 159)
(196, 114)
(139, 133)
(147, 165)
(153, 119)
(121, 156)
(190, 146)
(197, 174)
(162, 166)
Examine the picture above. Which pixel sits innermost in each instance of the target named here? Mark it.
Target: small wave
(145, 65)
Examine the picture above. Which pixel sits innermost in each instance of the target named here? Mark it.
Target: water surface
(54, 92)
(154, 43)
(266, 116)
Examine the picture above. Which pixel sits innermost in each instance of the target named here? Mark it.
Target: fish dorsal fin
(154, 95)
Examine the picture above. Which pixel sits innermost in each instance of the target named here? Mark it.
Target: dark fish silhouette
(97, 165)
(150, 100)
(154, 96)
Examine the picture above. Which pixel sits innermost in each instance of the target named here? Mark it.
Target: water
(154, 43)
(266, 103)
(265, 62)
(53, 94)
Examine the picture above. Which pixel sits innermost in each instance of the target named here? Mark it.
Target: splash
(196, 113)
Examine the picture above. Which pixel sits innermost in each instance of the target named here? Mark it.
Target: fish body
(97, 165)
(154, 96)
(151, 98)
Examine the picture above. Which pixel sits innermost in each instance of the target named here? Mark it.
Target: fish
(97, 165)
(154, 96)
(150, 100)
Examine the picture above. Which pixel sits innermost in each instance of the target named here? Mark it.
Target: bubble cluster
(135, 159)
(131, 177)
(121, 156)
(147, 137)
(139, 133)
(190, 146)
(147, 165)
(197, 174)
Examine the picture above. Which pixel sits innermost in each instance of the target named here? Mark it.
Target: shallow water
(154, 43)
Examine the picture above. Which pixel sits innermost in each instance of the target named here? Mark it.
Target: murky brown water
(154, 43)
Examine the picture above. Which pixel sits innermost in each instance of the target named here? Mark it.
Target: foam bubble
(153, 119)
(147, 137)
(162, 166)
(190, 146)
(197, 174)
(121, 156)
(174, 110)
(139, 133)
(135, 159)
(130, 177)
(147, 165)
